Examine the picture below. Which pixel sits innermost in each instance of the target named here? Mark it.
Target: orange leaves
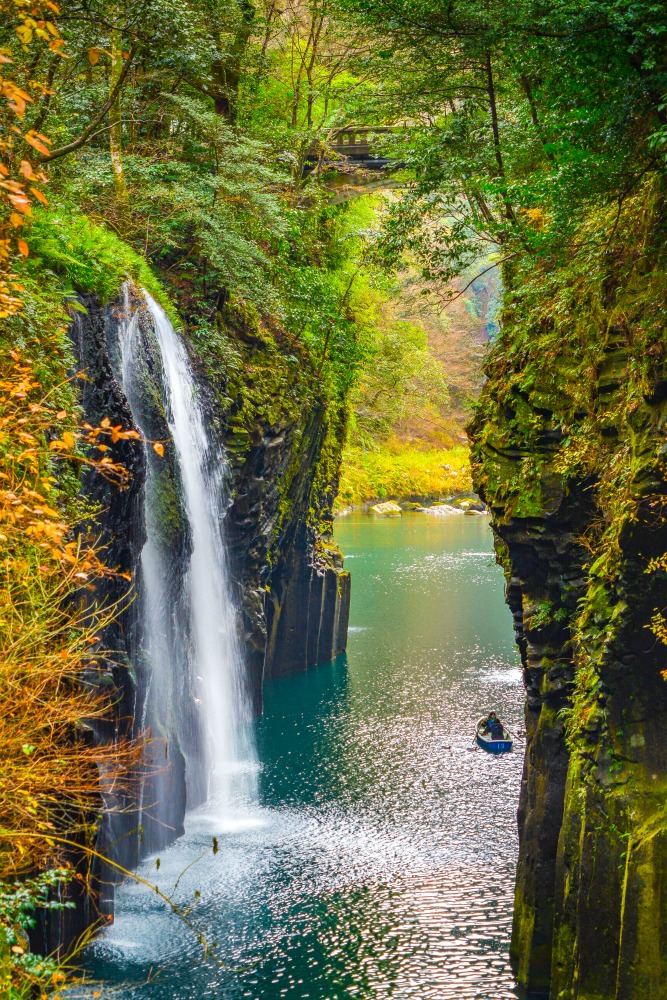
(158, 448)
(27, 171)
(93, 56)
(26, 422)
(38, 544)
(9, 303)
(34, 27)
(15, 96)
(37, 141)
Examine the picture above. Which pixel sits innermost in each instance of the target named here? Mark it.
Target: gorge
(208, 323)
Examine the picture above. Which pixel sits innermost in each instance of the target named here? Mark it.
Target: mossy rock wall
(283, 435)
(280, 438)
(568, 444)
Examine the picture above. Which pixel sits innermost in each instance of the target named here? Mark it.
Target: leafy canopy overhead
(520, 117)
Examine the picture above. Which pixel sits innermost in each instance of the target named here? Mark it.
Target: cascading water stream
(226, 706)
(196, 694)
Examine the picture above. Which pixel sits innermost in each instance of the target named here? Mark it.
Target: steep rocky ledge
(568, 450)
(281, 438)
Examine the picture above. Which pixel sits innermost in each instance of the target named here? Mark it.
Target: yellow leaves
(158, 448)
(69, 439)
(24, 31)
(535, 217)
(658, 626)
(93, 56)
(658, 562)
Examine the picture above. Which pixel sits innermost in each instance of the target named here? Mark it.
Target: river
(379, 861)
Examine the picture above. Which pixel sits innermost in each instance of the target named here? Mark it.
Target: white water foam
(225, 702)
(196, 673)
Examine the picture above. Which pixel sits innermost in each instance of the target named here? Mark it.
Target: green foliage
(535, 115)
(398, 372)
(545, 614)
(83, 257)
(23, 973)
(405, 472)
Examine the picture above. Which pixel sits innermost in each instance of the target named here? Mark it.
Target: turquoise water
(380, 860)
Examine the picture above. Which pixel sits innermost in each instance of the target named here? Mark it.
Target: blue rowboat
(491, 745)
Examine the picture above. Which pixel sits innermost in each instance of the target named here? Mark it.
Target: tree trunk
(116, 130)
(226, 72)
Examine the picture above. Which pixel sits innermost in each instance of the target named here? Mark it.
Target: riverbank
(409, 474)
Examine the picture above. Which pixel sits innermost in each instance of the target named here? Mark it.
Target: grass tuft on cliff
(79, 256)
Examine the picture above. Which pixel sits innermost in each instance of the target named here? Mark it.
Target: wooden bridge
(351, 146)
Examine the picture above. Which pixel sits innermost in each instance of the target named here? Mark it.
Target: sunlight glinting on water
(380, 860)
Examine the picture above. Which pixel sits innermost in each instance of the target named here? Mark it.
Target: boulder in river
(442, 509)
(388, 508)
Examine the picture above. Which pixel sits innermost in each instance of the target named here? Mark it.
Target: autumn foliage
(20, 182)
(49, 639)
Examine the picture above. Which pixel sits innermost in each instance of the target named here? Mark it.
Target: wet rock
(591, 891)
(388, 508)
(442, 509)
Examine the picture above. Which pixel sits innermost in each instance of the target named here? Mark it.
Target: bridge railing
(353, 141)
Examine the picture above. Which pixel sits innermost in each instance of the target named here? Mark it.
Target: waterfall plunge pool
(378, 861)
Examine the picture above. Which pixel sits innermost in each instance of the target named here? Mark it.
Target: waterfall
(195, 704)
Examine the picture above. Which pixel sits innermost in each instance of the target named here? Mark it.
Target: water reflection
(380, 862)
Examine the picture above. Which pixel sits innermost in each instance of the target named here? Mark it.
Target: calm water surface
(380, 859)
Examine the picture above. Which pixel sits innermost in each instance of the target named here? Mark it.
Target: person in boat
(493, 727)
(488, 722)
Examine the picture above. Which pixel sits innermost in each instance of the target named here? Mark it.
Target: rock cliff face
(283, 443)
(282, 439)
(568, 446)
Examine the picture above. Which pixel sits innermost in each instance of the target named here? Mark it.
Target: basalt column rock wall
(568, 449)
(283, 438)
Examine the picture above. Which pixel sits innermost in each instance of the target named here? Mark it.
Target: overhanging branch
(87, 132)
